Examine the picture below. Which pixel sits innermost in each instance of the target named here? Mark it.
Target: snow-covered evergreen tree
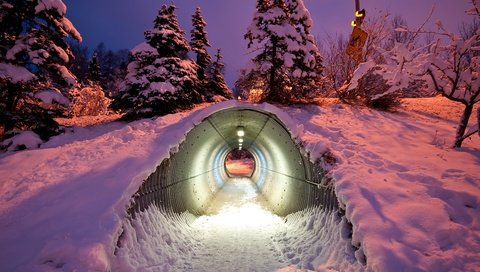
(33, 54)
(167, 36)
(269, 32)
(199, 43)
(217, 84)
(288, 60)
(160, 78)
(94, 74)
(307, 62)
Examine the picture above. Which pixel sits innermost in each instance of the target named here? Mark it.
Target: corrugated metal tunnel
(283, 174)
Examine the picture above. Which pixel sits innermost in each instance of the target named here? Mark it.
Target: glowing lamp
(240, 132)
(360, 14)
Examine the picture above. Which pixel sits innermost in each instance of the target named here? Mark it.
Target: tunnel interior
(283, 174)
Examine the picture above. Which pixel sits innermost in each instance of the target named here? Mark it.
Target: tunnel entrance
(283, 173)
(239, 163)
(284, 212)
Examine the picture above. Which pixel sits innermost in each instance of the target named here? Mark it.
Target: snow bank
(157, 241)
(413, 202)
(316, 240)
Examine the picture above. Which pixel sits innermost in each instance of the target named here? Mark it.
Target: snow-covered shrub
(21, 141)
(370, 91)
(378, 83)
(89, 101)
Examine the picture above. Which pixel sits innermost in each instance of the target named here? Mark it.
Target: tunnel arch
(194, 172)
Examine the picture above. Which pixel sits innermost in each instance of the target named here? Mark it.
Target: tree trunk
(11, 102)
(11, 105)
(478, 120)
(462, 127)
(271, 93)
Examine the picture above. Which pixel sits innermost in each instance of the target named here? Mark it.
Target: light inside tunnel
(193, 175)
(240, 131)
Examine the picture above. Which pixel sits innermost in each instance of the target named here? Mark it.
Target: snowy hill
(414, 203)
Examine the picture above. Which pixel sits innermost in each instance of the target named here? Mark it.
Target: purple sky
(121, 23)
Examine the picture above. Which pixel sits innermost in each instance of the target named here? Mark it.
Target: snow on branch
(15, 73)
(51, 4)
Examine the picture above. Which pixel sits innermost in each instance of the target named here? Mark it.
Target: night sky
(120, 23)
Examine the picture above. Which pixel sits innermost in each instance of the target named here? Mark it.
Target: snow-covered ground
(413, 201)
(237, 234)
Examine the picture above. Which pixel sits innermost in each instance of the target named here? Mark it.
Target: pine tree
(217, 82)
(112, 67)
(307, 62)
(289, 61)
(78, 65)
(271, 30)
(160, 78)
(94, 74)
(166, 35)
(33, 55)
(199, 43)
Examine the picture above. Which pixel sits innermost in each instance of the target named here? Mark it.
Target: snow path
(238, 234)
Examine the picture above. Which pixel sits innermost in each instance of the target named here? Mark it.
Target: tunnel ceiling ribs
(216, 129)
(190, 178)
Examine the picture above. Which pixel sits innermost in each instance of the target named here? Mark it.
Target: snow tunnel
(195, 171)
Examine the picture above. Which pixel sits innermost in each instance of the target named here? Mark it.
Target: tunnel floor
(237, 232)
